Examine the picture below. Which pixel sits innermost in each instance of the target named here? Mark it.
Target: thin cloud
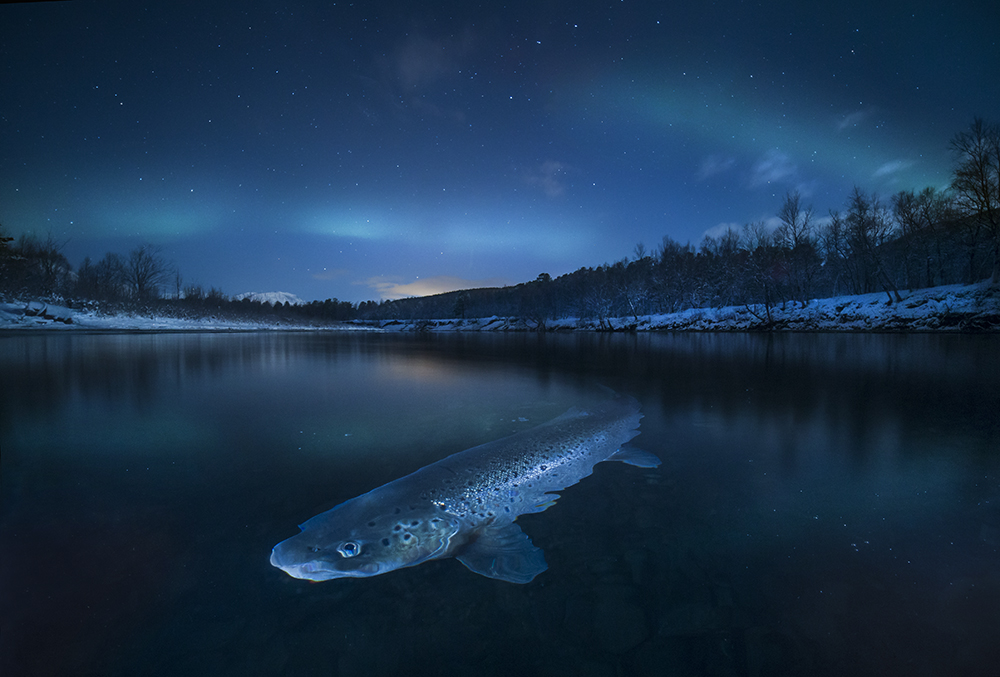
(419, 68)
(893, 167)
(714, 164)
(721, 229)
(770, 223)
(852, 119)
(774, 167)
(422, 61)
(550, 177)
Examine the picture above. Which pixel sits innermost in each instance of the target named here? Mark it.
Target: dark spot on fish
(407, 537)
(507, 508)
(372, 523)
(415, 523)
(397, 511)
(544, 467)
(398, 527)
(385, 542)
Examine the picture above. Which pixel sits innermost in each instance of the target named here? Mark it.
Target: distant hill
(272, 297)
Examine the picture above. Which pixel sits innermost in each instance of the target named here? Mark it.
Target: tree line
(142, 281)
(912, 239)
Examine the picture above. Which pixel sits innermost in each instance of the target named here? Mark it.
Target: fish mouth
(319, 570)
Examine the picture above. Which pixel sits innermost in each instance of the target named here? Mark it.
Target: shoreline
(949, 309)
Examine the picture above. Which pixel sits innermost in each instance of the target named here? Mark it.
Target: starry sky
(370, 150)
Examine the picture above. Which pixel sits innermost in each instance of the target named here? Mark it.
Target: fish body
(465, 505)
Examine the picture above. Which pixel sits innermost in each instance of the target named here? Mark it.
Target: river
(828, 504)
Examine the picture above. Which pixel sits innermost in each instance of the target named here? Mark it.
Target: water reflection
(827, 504)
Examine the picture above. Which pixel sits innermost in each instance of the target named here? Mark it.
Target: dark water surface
(827, 505)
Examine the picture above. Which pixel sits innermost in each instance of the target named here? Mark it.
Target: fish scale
(465, 506)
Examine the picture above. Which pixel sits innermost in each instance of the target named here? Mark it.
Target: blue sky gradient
(373, 150)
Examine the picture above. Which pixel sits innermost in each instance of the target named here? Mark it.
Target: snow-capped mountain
(272, 297)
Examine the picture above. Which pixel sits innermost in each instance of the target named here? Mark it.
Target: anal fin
(504, 553)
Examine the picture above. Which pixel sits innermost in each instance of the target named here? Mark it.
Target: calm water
(827, 505)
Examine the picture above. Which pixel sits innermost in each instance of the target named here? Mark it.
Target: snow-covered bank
(971, 308)
(39, 315)
(955, 308)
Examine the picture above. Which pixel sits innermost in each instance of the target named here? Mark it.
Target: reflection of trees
(862, 380)
(864, 384)
(42, 372)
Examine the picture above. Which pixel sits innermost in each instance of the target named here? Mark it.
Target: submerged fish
(464, 506)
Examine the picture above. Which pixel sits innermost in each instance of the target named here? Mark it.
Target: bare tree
(938, 213)
(673, 275)
(906, 209)
(764, 271)
(723, 267)
(145, 271)
(598, 299)
(923, 219)
(5, 241)
(795, 236)
(110, 277)
(44, 269)
(796, 222)
(976, 182)
(869, 226)
(833, 247)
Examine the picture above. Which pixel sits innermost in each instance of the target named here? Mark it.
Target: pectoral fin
(504, 553)
(637, 457)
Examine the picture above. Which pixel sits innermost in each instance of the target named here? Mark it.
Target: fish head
(362, 538)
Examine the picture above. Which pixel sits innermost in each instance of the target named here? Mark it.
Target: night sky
(371, 150)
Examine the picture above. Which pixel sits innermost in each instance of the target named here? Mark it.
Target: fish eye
(349, 549)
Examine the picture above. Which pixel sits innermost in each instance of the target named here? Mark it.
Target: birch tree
(976, 183)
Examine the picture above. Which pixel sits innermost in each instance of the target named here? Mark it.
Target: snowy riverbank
(955, 308)
(41, 315)
(973, 308)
